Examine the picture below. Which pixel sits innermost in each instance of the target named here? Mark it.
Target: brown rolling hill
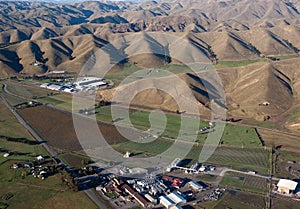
(64, 37)
(246, 88)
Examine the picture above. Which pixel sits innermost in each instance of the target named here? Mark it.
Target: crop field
(63, 101)
(237, 158)
(282, 203)
(12, 100)
(236, 200)
(246, 160)
(286, 164)
(27, 90)
(57, 128)
(233, 135)
(245, 182)
(243, 159)
(286, 142)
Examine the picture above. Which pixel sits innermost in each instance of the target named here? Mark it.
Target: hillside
(64, 36)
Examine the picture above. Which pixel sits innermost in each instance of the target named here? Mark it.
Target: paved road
(90, 193)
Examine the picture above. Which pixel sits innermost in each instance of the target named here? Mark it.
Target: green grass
(177, 68)
(240, 136)
(153, 148)
(74, 160)
(238, 63)
(63, 101)
(9, 125)
(264, 124)
(285, 57)
(233, 135)
(31, 192)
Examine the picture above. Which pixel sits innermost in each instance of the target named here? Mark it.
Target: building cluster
(38, 168)
(83, 84)
(150, 191)
(195, 168)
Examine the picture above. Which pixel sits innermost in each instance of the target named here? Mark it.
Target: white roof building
(40, 158)
(178, 199)
(195, 185)
(166, 201)
(286, 186)
(54, 87)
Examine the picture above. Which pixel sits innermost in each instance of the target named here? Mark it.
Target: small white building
(127, 155)
(39, 158)
(286, 186)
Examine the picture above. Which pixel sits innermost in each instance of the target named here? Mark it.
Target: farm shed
(286, 186)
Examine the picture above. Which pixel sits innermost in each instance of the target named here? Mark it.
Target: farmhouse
(286, 186)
